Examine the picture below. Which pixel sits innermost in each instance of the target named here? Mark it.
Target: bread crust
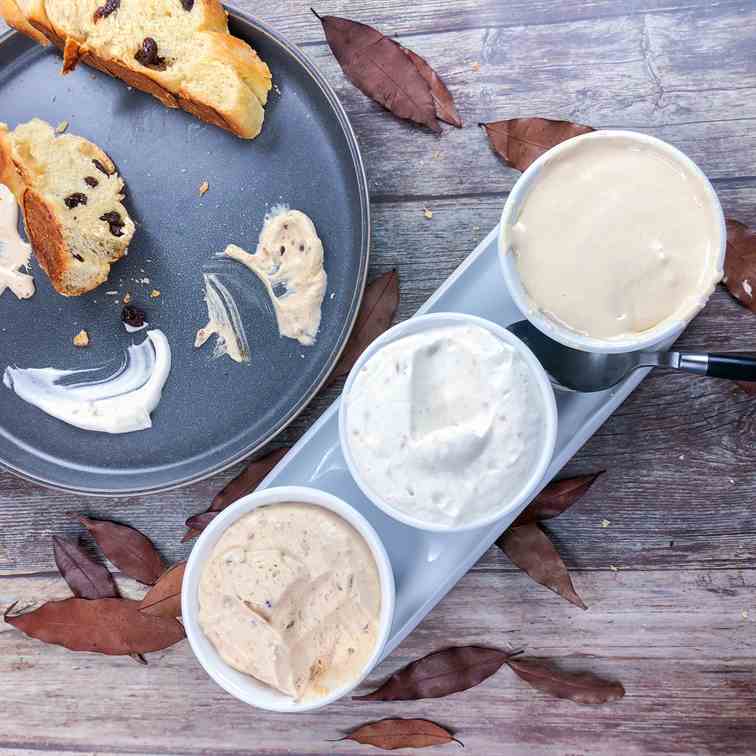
(46, 237)
(15, 18)
(243, 121)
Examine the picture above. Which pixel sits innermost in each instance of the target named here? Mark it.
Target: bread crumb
(605, 523)
(427, 212)
(127, 297)
(744, 614)
(81, 339)
(204, 186)
(613, 568)
(61, 127)
(155, 293)
(475, 66)
(437, 154)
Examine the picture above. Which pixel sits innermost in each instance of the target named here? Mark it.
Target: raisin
(77, 198)
(187, 5)
(100, 167)
(105, 10)
(113, 219)
(147, 55)
(132, 316)
(91, 181)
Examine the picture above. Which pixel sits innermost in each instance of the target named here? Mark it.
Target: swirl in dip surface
(291, 595)
(617, 235)
(445, 425)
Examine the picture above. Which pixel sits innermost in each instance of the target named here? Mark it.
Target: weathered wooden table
(675, 622)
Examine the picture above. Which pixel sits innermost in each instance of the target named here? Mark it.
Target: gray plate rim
(364, 196)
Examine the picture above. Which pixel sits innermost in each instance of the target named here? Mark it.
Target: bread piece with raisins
(71, 198)
(180, 51)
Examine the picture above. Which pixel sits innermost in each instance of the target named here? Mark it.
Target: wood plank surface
(675, 622)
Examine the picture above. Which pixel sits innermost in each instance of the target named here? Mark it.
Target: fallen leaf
(164, 598)
(129, 550)
(197, 523)
(443, 102)
(245, 482)
(86, 578)
(556, 498)
(440, 674)
(112, 626)
(532, 551)
(748, 386)
(580, 687)
(520, 141)
(379, 68)
(390, 734)
(379, 305)
(740, 263)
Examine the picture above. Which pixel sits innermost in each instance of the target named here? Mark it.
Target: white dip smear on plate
(119, 403)
(615, 237)
(289, 262)
(224, 321)
(14, 251)
(446, 425)
(291, 595)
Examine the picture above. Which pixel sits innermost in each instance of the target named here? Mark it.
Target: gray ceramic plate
(213, 412)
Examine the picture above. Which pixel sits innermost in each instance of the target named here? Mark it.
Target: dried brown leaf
(164, 598)
(379, 305)
(245, 482)
(740, 263)
(521, 141)
(748, 386)
(580, 687)
(446, 110)
(390, 734)
(112, 626)
(534, 553)
(86, 578)
(440, 674)
(128, 549)
(556, 498)
(378, 67)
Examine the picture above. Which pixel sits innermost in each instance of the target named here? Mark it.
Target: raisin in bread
(180, 51)
(70, 195)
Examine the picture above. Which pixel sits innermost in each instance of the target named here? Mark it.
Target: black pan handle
(737, 367)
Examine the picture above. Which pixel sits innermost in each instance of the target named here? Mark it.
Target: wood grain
(675, 622)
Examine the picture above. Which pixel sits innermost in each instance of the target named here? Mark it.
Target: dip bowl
(245, 687)
(668, 329)
(511, 502)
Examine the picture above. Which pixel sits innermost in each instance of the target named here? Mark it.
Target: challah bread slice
(70, 195)
(180, 51)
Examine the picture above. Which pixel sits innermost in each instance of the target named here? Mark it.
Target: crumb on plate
(204, 186)
(155, 293)
(427, 212)
(81, 339)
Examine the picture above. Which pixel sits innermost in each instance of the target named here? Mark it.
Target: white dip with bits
(445, 425)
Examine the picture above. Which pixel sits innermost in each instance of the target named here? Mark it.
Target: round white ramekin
(548, 406)
(245, 687)
(667, 329)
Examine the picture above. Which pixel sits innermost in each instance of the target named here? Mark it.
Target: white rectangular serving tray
(427, 565)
